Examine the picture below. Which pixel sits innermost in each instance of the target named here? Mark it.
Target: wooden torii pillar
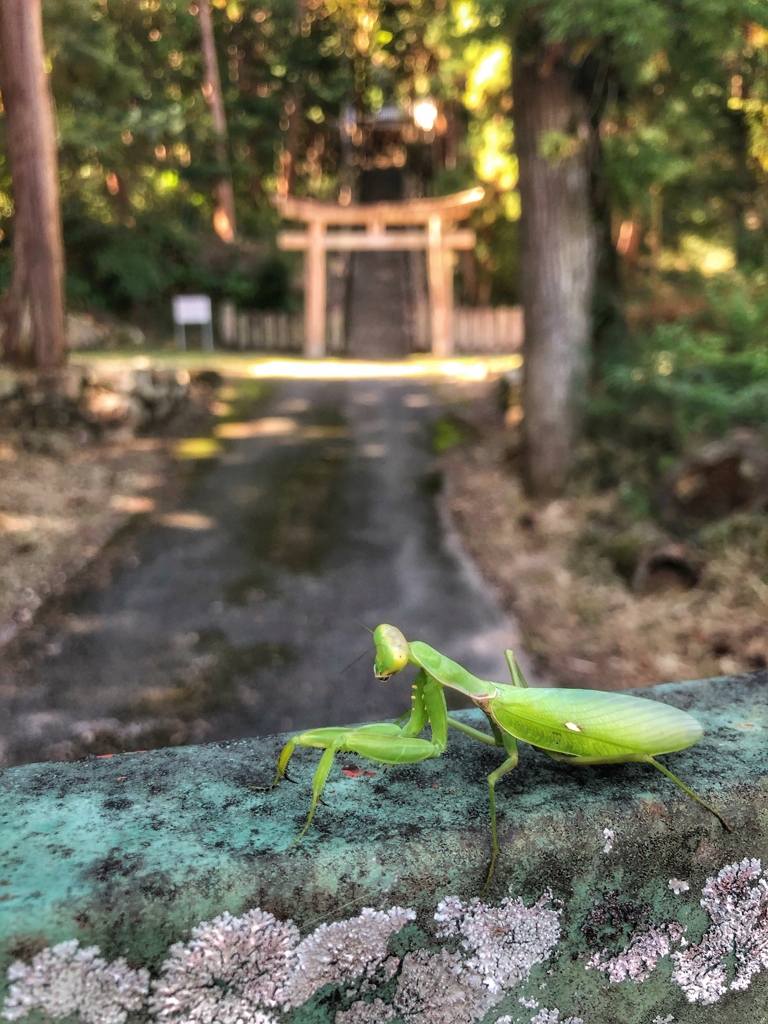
(433, 223)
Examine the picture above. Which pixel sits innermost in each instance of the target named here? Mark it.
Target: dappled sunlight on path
(474, 368)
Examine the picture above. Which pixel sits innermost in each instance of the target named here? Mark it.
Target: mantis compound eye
(392, 651)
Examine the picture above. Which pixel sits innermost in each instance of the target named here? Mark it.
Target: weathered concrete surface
(131, 852)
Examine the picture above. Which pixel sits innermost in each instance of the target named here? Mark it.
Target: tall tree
(562, 53)
(557, 260)
(224, 215)
(34, 305)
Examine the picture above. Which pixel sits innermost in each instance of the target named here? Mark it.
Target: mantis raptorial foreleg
(385, 742)
(318, 785)
(381, 741)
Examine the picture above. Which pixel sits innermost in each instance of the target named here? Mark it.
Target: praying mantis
(579, 727)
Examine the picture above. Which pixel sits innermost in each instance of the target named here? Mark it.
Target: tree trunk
(293, 110)
(34, 304)
(294, 113)
(557, 263)
(609, 324)
(224, 193)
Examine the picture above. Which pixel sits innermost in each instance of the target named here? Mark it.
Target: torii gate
(434, 221)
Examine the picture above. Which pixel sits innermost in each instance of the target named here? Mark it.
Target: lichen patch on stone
(342, 951)
(498, 948)
(251, 969)
(64, 980)
(437, 988)
(647, 945)
(504, 942)
(377, 1012)
(735, 947)
(609, 835)
(231, 969)
(676, 885)
(546, 1016)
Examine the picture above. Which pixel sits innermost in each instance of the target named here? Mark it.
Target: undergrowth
(677, 385)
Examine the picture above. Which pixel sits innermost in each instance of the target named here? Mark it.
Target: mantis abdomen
(592, 723)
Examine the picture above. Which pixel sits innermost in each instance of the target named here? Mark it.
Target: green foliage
(136, 154)
(745, 531)
(679, 90)
(449, 432)
(134, 270)
(682, 383)
(557, 147)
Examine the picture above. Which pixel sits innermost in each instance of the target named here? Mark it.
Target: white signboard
(192, 309)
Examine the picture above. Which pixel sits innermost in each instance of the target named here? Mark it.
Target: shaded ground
(64, 495)
(235, 613)
(58, 511)
(558, 568)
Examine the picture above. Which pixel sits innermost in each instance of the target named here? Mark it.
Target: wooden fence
(476, 330)
(487, 329)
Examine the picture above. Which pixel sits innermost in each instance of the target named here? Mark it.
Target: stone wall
(98, 398)
(163, 886)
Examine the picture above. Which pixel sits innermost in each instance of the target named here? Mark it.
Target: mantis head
(392, 651)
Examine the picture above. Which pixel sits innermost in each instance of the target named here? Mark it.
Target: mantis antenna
(360, 656)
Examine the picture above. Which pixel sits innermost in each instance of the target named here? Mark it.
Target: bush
(683, 383)
(133, 271)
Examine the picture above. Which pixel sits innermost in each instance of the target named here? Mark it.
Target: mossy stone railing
(616, 898)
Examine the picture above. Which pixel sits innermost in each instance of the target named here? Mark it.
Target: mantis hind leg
(686, 789)
(643, 759)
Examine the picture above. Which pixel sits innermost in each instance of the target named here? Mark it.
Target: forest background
(674, 99)
(657, 111)
(678, 93)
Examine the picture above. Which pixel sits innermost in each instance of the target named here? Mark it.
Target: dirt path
(235, 613)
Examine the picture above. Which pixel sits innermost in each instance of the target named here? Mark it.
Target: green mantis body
(580, 727)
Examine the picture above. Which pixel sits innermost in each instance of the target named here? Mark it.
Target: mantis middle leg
(497, 739)
(510, 745)
(493, 741)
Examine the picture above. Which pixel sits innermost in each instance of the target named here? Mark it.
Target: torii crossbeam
(433, 223)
